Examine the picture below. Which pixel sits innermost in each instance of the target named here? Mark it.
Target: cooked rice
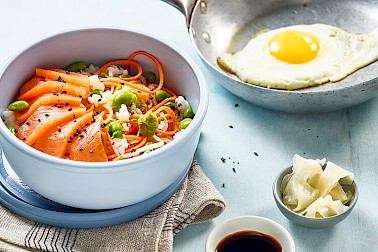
(95, 83)
(123, 114)
(119, 145)
(114, 71)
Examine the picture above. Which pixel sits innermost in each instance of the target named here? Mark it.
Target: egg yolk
(294, 47)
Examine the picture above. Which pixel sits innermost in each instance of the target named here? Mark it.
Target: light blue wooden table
(258, 145)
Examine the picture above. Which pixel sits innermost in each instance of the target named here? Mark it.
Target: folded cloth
(196, 201)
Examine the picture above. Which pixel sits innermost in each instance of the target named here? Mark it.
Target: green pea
(13, 130)
(188, 113)
(123, 76)
(76, 67)
(150, 78)
(98, 92)
(102, 75)
(126, 98)
(184, 123)
(161, 95)
(18, 106)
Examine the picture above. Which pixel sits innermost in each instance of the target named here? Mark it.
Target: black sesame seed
(27, 123)
(23, 139)
(236, 105)
(233, 169)
(47, 115)
(60, 79)
(231, 127)
(66, 104)
(39, 120)
(91, 151)
(64, 92)
(256, 154)
(223, 160)
(80, 149)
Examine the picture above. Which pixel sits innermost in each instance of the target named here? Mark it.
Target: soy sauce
(248, 241)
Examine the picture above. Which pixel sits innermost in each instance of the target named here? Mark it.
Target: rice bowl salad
(98, 114)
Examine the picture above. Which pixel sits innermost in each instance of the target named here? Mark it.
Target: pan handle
(185, 6)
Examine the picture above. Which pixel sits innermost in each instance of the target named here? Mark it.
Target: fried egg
(300, 56)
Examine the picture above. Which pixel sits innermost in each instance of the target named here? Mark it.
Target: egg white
(341, 54)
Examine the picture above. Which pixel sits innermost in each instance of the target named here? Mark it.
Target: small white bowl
(250, 223)
(309, 222)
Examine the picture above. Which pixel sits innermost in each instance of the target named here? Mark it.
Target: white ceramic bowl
(252, 223)
(103, 185)
(308, 221)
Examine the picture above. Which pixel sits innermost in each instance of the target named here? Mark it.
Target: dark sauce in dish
(248, 241)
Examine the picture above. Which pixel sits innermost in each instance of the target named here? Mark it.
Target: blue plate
(20, 199)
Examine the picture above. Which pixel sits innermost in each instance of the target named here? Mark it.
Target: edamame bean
(13, 130)
(171, 104)
(126, 98)
(76, 67)
(114, 126)
(123, 76)
(18, 106)
(150, 78)
(148, 124)
(188, 113)
(117, 134)
(98, 92)
(184, 123)
(115, 130)
(161, 95)
(102, 75)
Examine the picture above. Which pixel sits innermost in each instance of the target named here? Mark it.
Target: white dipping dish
(252, 223)
(103, 185)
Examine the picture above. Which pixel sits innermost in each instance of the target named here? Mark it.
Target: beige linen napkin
(196, 201)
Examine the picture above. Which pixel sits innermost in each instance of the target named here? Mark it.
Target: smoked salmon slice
(56, 139)
(46, 99)
(36, 80)
(56, 87)
(88, 146)
(44, 118)
(66, 76)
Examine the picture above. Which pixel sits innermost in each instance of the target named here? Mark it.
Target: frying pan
(218, 26)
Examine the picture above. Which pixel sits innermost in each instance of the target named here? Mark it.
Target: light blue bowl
(308, 221)
(103, 185)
